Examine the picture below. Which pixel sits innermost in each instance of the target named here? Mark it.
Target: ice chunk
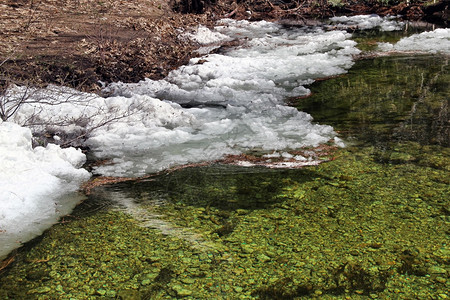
(339, 142)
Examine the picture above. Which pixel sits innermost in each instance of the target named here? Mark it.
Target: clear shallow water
(399, 98)
(373, 222)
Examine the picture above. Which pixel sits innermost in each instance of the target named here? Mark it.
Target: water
(400, 98)
(370, 223)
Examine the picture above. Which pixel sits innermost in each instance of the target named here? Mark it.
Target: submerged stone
(129, 294)
(436, 270)
(181, 291)
(40, 290)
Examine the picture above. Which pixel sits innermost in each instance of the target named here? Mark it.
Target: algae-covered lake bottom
(373, 222)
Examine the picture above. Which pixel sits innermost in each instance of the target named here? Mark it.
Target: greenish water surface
(371, 223)
(387, 99)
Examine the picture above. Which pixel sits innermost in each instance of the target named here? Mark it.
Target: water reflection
(386, 99)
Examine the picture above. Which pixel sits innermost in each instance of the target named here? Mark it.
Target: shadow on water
(220, 186)
(387, 100)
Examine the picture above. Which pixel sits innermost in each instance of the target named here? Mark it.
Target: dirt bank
(81, 42)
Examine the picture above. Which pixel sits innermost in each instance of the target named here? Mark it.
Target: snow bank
(219, 104)
(364, 22)
(216, 105)
(36, 185)
(235, 99)
(436, 41)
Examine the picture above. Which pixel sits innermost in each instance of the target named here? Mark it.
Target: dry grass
(86, 41)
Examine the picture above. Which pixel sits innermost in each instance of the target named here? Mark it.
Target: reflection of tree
(386, 99)
(428, 119)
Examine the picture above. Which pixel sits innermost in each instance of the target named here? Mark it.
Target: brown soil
(79, 42)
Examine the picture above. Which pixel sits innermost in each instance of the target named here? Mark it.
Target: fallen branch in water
(4, 264)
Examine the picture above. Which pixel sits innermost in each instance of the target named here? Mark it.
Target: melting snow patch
(437, 41)
(363, 22)
(217, 105)
(36, 185)
(203, 35)
(236, 99)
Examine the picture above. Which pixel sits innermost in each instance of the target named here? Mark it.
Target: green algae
(352, 227)
(373, 223)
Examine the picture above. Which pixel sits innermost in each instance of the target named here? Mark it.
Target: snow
(364, 22)
(204, 36)
(436, 41)
(218, 104)
(235, 100)
(37, 186)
